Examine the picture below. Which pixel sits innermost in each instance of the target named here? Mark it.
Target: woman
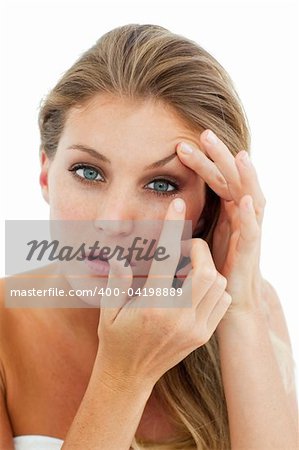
(216, 375)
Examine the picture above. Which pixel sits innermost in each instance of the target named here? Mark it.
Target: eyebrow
(95, 154)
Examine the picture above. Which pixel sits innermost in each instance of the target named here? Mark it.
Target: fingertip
(243, 161)
(209, 137)
(179, 205)
(183, 148)
(228, 299)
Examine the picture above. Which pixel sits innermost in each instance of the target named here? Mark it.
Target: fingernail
(245, 159)
(211, 137)
(179, 205)
(185, 148)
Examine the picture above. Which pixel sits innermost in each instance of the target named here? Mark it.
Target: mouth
(97, 266)
(96, 258)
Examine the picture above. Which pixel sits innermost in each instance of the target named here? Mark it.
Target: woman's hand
(237, 235)
(140, 339)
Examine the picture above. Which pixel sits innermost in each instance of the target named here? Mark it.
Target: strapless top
(36, 442)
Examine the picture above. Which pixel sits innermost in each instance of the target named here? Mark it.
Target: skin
(107, 125)
(237, 237)
(116, 128)
(235, 180)
(236, 252)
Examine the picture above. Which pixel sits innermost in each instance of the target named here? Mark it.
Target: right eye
(86, 174)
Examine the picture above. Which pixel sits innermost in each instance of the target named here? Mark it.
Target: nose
(115, 227)
(115, 216)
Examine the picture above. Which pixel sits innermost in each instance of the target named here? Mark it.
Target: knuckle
(208, 274)
(202, 335)
(216, 176)
(200, 244)
(221, 281)
(226, 298)
(219, 179)
(260, 203)
(259, 213)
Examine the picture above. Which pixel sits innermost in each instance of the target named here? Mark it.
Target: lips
(96, 257)
(97, 266)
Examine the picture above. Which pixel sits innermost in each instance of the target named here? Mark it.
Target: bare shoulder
(2, 313)
(5, 426)
(7, 324)
(3, 331)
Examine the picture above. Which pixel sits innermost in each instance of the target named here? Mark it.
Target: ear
(43, 178)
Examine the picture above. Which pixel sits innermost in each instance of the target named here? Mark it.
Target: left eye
(161, 186)
(88, 173)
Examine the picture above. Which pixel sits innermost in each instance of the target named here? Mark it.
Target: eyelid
(79, 165)
(164, 178)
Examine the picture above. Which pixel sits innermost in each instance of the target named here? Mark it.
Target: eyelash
(174, 184)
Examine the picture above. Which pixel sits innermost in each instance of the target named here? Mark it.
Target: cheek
(66, 203)
(194, 211)
(153, 209)
(195, 205)
(64, 211)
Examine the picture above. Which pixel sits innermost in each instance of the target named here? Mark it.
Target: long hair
(149, 62)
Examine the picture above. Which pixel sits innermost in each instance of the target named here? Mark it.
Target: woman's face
(101, 170)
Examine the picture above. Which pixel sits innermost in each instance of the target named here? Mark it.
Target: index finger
(206, 169)
(163, 268)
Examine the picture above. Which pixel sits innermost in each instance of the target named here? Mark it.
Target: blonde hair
(139, 62)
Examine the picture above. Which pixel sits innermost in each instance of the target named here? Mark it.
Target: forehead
(121, 120)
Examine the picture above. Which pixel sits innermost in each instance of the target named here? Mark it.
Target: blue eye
(89, 173)
(161, 187)
(86, 173)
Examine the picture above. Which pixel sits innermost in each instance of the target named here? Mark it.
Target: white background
(257, 43)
